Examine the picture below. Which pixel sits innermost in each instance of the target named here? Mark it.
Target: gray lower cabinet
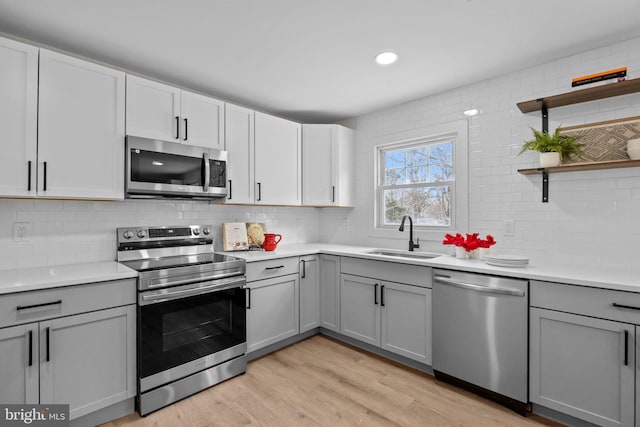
(272, 310)
(86, 360)
(19, 369)
(72, 345)
(393, 316)
(360, 309)
(406, 320)
(309, 292)
(330, 292)
(582, 358)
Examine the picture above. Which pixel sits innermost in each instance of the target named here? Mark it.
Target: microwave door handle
(207, 171)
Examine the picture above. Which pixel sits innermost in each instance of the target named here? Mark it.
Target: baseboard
(104, 415)
(553, 415)
(378, 351)
(281, 344)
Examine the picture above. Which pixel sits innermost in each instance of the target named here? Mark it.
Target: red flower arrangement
(470, 243)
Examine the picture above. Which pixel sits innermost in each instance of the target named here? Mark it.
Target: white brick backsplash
(85, 231)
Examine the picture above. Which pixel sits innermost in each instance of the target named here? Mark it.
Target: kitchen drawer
(272, 268)
(587, 301)
(72, 300)
(391, 271)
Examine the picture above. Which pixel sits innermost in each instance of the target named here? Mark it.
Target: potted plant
(553, 147)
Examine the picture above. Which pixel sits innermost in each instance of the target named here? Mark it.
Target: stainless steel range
(191, 311)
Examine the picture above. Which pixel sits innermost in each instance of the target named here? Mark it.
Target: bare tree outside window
(418, 180)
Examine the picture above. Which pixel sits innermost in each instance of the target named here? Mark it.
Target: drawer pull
(630, 307)
(46, 304)
(274, 268)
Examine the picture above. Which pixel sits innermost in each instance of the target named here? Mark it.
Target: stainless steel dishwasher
(480, 335)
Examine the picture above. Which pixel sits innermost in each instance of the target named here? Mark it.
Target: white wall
(592, 218)
(66, 232)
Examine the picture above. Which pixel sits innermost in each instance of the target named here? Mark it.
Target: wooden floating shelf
(574, 167)
(582, 95)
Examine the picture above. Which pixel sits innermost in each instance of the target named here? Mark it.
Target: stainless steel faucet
(412, 245)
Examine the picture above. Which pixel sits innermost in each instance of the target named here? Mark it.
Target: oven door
(159, 168)
(186, 329)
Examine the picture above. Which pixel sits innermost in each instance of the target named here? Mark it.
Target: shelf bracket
(545, 116)
(545, 186)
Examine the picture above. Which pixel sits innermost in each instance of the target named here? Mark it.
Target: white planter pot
(549, 160)
(633, 149)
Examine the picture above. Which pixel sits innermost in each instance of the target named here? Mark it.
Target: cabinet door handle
(304, 268)
(375, 294)
(274, 268)
(259, 191)
(626, 348)
(44, 186)
(48, 333)
(45, 304)
(333, 193)
(186, 129)
(248, 298)
(630, 307)
(230, 196)
(382, 296)
(29, 175)
(30, 348)
(177, 127)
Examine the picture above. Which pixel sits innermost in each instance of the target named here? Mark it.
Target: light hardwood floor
(322, 382)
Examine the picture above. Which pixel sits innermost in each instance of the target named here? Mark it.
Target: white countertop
(29, 279)
(39, 278)
(624, 280)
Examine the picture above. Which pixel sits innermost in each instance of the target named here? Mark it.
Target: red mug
(270, 241)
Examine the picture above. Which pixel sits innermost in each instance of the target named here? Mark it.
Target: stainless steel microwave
(157, 168)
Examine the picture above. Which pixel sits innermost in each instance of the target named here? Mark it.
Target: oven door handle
(164, 284)
(171, 294)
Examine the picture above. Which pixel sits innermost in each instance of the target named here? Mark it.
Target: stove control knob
(206, 230)
(128, 234)
(141, 234)
(196, 231)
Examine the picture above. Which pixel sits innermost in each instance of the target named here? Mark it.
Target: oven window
(179, 331)
(163, 168)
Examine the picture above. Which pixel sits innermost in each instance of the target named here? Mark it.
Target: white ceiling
(312, 61)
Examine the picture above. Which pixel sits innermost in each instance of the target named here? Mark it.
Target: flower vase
(461, 253)
(482, 253)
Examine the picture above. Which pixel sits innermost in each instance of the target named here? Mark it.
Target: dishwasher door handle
(478, 288)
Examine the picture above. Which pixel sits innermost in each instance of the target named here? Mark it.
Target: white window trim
(460, 221)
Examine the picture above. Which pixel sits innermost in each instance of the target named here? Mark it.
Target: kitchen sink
(402, 254)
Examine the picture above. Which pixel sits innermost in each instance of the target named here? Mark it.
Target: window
(417, 179)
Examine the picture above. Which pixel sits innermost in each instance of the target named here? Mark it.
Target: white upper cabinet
(327, 165)
(202, 120)
(80, 129)
(159, 111)
(277, 161)
(239, 141)
(18, 118)
(153, 109)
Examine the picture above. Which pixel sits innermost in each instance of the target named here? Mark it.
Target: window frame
(456, 131)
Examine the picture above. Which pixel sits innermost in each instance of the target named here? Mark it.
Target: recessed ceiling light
(470, 112)
(386, 58)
